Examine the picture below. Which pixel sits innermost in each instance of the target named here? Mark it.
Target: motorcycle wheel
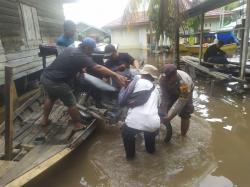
(168, 132)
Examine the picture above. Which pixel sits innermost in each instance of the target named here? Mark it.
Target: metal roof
(206, 6)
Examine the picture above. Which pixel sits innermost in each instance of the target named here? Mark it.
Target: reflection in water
(211, 156)
(215, 181)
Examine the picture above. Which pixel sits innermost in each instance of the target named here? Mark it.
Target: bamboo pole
(201, 36)
(9, 90)
(245, 44)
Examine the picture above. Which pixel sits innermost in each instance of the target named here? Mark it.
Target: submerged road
(216, 152)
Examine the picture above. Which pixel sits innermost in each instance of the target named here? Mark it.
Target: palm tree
(166, 16)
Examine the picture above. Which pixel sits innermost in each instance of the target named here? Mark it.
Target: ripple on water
(173, 164)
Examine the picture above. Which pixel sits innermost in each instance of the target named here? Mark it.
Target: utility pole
(245, 44)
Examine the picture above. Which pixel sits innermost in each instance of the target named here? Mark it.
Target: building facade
(136, 34)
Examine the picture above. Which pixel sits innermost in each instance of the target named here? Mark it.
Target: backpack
(130, 99)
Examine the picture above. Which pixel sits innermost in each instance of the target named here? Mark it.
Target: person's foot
(45, 122)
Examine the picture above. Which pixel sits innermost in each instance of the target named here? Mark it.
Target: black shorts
(62, 91)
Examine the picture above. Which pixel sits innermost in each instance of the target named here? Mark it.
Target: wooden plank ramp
(192, 61)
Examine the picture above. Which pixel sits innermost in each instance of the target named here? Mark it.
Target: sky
(94, 12)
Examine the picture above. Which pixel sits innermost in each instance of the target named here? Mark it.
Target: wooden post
(9, 90)
(201, 37)
(245, 44)
(242, 31)
(176, 47)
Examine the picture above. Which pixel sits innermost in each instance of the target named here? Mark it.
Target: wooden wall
(24, 24)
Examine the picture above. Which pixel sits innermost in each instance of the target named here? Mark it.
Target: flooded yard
(215, 153)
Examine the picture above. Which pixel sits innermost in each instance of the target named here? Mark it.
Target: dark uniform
(182, 89)
(56, 78)
(215, 55)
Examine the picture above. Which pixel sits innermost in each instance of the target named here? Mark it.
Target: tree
(166, 16)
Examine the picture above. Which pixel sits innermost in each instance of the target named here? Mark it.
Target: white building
(132, 36)
(135, 35)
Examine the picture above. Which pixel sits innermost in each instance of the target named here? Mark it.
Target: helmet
(89, 42)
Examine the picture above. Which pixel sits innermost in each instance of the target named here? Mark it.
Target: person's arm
(179, 104)
(136, 64)
(121, 80)
(221, 52)
(133, 62)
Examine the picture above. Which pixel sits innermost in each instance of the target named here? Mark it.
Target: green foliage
(193, 23)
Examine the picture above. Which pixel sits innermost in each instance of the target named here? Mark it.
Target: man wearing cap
(119, 62)
(143, 111)
(177, 88)
(67, 38)
(56, 79)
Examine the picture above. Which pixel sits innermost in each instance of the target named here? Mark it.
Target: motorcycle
(96, 98)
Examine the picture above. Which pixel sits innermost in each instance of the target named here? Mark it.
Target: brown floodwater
(216, 152)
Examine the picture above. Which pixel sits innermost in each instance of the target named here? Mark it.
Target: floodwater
(216, 152)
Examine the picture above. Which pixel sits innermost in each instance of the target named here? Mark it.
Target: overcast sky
(95, 12)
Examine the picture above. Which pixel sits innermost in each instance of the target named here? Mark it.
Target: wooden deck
(37, 148)
(194, 62)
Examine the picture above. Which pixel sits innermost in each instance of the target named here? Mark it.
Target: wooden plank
(22, 108)
(22, 54)
(8, 4)
(9, 112)
(80, 136)
(32, 159)
(8, 11)
(28, 176)
(50, 20)
(9, 19)
(5, 166)
(188, 60)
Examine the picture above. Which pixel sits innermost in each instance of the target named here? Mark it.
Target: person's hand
(122, 67)
(121, 80)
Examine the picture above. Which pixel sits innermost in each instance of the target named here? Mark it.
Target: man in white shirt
(144, 117)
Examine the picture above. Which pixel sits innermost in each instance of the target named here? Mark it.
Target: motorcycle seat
(97, 83)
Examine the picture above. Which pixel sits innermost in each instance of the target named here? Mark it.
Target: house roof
(141, 18)
(83, 27)
(206, 6)
(217, 12)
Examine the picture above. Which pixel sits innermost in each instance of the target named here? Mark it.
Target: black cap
(109, 50)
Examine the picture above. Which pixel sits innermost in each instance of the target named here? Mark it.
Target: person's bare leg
(184, 126)
(75, 116)
(48, 105)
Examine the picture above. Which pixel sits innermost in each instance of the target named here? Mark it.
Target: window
(30, 20)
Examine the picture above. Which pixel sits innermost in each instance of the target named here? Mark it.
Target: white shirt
(145, 117)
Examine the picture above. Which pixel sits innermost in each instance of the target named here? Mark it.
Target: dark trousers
(218, 60)
(128, 136)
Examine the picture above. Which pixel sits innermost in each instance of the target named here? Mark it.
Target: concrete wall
(130, 38)
(212, 24)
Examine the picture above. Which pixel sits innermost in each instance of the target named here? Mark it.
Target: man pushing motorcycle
(56, 79)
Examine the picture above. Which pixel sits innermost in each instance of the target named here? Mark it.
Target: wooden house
(24, 24)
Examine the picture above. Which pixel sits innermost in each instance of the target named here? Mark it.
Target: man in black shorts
(57, 77)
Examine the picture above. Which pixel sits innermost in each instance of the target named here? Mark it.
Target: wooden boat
(37, 148)
(183, 48)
